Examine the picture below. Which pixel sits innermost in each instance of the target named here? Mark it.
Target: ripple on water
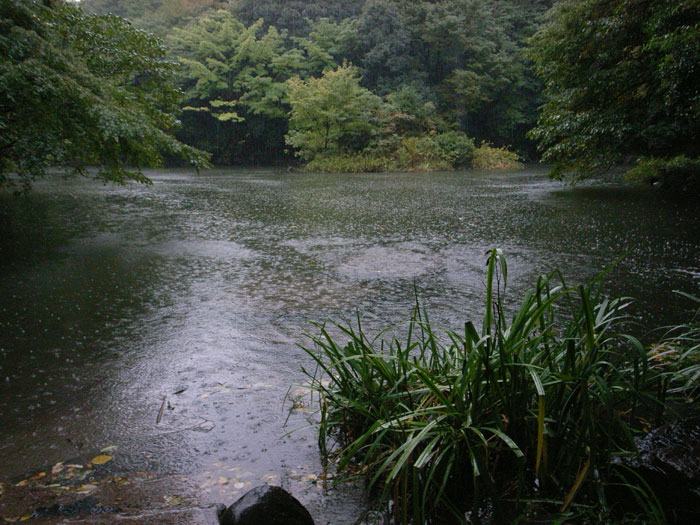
(400, 261)
(204, 248)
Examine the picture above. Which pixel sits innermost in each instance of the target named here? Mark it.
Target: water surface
(199, 288)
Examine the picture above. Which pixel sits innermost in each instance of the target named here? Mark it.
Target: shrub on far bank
(349, 163)
(678, 172)
(456, 147)
(426, 152)
(487, 157)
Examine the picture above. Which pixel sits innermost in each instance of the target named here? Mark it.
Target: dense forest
(424, 81)
(347, 85)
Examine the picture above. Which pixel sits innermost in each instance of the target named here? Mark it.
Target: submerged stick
(162, 407)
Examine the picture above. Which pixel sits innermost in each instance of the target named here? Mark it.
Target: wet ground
(159, 325)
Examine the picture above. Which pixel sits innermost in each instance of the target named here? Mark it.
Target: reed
(520, 416)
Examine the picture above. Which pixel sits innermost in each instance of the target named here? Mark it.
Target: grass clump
(522, 415)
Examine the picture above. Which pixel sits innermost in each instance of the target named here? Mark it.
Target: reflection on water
(198, 289)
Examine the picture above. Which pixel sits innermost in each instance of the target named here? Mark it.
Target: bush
(420, 153)
(525, 416)
(487, 157)
(365, 162)
(456, 148)
(428, 152)
(677, 172)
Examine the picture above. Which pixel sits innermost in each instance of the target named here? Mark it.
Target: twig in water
(162, 407)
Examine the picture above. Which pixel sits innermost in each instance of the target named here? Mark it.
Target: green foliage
(621, 81)
(413, 111)
(235, 80)
(365, 162)
(381, 46)
(230, 66)
(337, 125)
(486, 157)
(453, 64)
(79, 90)
(332, 114)
(429, 152)
(527, 414)
(456, 148)
(295, 16)
(471, 53)
(156, 16)
(678, 172)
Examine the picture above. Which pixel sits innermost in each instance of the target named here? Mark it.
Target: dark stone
(89, 505)
(669, 461)
(265, 505)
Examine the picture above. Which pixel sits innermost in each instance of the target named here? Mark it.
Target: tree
(235, 82)
(295, 16)
(471, 53)
(79, 90)
(382, 46)
(156, 16)
(622, 81)
(332, 114)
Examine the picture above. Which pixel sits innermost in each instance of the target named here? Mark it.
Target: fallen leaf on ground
(101, 459)
(173, 500)
(85, 474)
(86, 489)
(58, 467)
(110, 448)
(309, 477)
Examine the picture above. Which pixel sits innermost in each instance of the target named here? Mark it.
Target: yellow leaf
(11, 519)
(25, 517)
(173, 500)
(101, 459)
(22, 484)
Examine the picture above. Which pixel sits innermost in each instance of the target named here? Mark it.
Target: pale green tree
(332, 114)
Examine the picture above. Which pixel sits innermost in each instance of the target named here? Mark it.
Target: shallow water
(199, 288)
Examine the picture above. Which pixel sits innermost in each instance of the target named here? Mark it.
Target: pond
(161, 324)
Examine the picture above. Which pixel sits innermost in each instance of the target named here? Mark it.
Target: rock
(672, 450)
(265, 505)
(88, 505)
(669, 461)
